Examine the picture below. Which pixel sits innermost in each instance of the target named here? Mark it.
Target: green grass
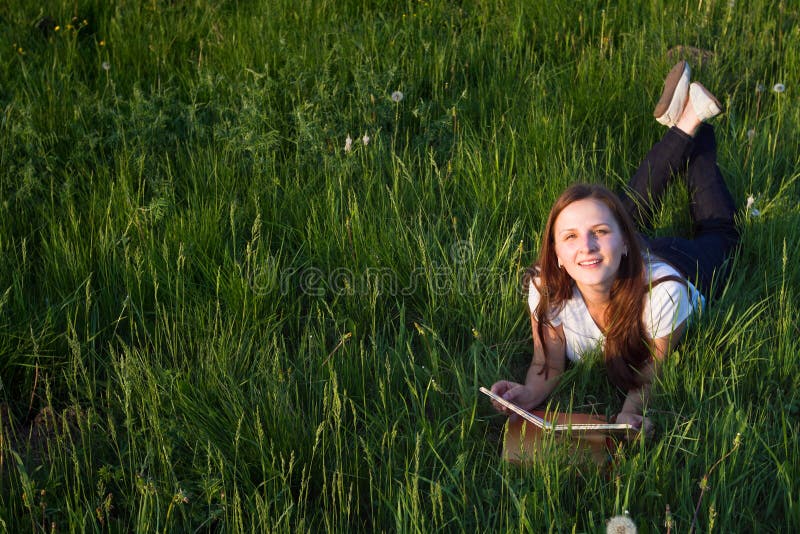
(213, 318)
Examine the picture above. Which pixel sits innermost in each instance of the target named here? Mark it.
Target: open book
(611, 428)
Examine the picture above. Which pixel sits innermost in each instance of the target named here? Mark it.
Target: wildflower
(106, 66)
(751, 133)
(57, 28)
(102, 42)
(621, 524)
(365, 139)
(750, 207)
(348, 143)
(180, 497)
(760, 88)
(397, 96)
(668, 521)
(778, 88)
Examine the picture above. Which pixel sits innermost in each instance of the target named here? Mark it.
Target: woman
(598, 282)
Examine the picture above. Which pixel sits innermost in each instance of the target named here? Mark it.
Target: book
(561, 423)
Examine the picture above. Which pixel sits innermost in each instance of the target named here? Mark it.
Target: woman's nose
(589, 243)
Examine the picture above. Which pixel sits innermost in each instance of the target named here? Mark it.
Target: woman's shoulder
(656, 269)
(535, 289)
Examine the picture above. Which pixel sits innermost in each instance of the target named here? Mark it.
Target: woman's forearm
(540, 386)
(636, 400)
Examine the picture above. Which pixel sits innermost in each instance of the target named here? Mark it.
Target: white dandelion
(106, 66)
(751, 133)
(397, 96)
(621, 524)
(348, 143)
(760, 88)
(365, 139)
(778, 88)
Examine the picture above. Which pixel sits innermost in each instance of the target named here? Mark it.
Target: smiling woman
(598, 282)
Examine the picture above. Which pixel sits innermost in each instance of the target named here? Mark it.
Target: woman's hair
(627, 346)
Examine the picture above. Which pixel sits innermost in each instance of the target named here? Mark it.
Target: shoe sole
(670, 84)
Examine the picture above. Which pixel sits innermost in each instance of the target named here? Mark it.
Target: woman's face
(589, 244)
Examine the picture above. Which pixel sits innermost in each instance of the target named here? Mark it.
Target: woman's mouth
(589, 263)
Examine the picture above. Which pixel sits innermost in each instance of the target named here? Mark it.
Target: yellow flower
(57, 28)
(102, 42)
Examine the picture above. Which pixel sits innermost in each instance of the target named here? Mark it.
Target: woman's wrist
(634, 401)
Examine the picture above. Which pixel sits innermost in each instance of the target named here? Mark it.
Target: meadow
(257, 256)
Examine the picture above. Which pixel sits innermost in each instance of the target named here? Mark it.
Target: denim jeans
(703, 258)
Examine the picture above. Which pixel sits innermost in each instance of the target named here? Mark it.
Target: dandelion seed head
(397, 96)
(751, 133)
(778, 88)
(620, 524)
(106, 66)
(348, 143)
(760, 88)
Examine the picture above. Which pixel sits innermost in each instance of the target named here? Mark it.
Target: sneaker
(673, 98)
(705, 104)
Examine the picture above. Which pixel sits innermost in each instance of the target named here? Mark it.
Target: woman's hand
(519, 394)
(640, 424)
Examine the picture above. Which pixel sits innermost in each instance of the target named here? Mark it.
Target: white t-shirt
(667, 305)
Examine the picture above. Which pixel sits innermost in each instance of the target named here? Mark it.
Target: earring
(559, 262)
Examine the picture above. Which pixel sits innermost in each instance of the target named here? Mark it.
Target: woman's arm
(536, 387)
(637, 398)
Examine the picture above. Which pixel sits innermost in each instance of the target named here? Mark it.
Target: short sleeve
(533, 300)
(667, 305)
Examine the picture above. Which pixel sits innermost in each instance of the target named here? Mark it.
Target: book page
(558, 427)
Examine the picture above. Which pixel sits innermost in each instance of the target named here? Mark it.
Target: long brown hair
(627, 345)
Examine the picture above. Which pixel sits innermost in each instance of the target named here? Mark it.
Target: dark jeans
(703, 259)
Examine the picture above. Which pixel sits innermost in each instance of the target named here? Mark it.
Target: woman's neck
(596, 304)
(595, 297)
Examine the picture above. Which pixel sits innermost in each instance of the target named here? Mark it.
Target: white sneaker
(675, 94)
(705, 104)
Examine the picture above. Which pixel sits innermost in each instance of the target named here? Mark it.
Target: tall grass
(214, 317)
